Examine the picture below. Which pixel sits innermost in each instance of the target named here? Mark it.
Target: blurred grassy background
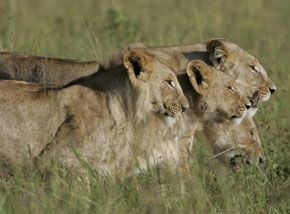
(88, 29)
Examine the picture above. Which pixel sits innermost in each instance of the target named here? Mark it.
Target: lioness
(97, 115)
(235, 142)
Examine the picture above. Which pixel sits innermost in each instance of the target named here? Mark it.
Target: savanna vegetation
(88, 29)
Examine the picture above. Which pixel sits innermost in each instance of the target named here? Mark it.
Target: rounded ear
(139, 65)
(218, 52)
(200, 75)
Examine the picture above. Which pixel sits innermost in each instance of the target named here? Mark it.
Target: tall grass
(91, 29)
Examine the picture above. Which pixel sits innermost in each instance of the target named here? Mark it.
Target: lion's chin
(237, 121)
(251, 112)
(265, 98)
(169, 120)
(236, 162)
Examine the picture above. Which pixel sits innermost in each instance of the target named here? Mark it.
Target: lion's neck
(123, 99)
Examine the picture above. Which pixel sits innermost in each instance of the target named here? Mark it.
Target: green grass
(91, 29)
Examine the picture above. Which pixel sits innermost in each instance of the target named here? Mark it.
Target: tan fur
(235, 141)
(224, 56)
(44, 70)
(95, 116)
(234, 61)
(203, 87)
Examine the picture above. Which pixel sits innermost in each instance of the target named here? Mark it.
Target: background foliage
(88, 29)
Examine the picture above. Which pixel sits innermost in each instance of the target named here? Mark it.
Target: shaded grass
(94, 30)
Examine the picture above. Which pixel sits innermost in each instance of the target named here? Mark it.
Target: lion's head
(155, 84)
(218, 98)
(236, 62)
(233, 144)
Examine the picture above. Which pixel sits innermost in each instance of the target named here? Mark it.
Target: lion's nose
(183, 108)
(248, 105)
(272, 90)
(184, 105)
(272, 87)
(262, 160)
(247, 102)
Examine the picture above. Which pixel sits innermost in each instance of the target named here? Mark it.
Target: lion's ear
(218, 52)
(200, 75)
(139, 65)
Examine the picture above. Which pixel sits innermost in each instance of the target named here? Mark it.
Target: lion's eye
(171, 83)
(231, 88)
(254, 68)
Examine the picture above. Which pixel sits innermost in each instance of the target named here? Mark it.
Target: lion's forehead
(243, 85)
(160, 68)
(223, 79)
(242, 69)
(243, 59)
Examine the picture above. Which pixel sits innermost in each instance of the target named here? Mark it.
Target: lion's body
(176, 57)
(97, 116)
(237, 64)
(29, 120)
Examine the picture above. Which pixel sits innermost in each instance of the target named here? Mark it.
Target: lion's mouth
(259, 96)
(265, 97)
(237, 161)
(237, 119)
(169, 114)
(254, 100)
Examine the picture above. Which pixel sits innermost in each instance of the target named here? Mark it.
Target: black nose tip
(183, 108)
(234, 161)
(262, 160)
(248, 106)
(272, 90)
